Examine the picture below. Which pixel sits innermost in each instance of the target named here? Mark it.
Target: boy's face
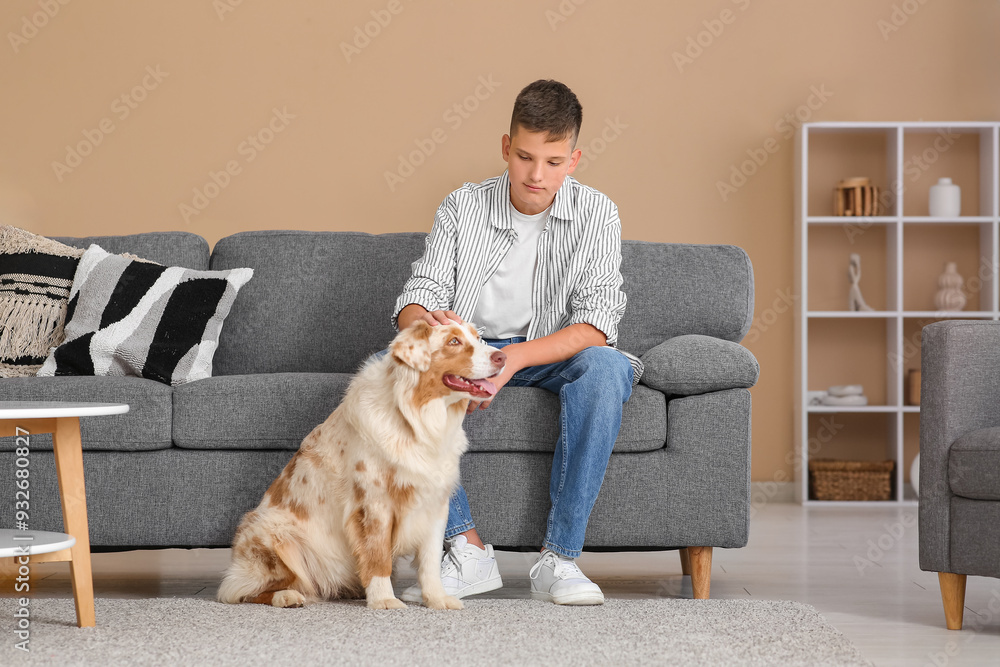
(537, 168)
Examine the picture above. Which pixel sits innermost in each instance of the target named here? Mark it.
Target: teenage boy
(533, 257)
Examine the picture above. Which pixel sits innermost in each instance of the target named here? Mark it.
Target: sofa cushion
(36, 274)
(320, 302)
(145, 426)
(694, 364)
(974, 465)
(526, 419)
(169, 248)
(682, 288)
(129, 316)
(265, 411)
(278, 410)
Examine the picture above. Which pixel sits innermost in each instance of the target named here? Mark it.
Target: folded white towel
(846, 390)
(815, 397)
(845, 400)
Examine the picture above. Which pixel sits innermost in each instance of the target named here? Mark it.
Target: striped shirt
(578, 276)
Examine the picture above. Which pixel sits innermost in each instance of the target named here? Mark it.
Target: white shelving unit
(901, 172)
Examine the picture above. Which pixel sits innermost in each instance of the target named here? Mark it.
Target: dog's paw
(288, 598)
(387, 603)
(445, 602)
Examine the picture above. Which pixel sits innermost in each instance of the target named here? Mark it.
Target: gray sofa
(960, 456)
(185, 463)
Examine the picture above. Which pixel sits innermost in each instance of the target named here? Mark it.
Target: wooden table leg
(8, 573)
(69, 467)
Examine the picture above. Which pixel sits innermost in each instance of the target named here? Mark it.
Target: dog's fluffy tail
(238, 585)
(290, 554)
(247, 577)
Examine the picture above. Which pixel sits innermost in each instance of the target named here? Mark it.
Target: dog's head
(450, 358)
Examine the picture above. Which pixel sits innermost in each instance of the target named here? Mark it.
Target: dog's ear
(413, 346)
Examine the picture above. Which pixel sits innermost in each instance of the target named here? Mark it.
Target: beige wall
(672, 132)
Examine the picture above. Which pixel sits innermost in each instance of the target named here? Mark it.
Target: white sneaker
(556, 578)
(465, 570)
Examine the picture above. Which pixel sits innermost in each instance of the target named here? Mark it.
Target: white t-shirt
(504, 308)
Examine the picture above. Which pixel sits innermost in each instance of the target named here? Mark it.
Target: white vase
(915, 475)
(945, 199)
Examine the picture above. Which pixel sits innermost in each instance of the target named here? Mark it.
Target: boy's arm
(431, 287)
(598, 298)
(555, 347)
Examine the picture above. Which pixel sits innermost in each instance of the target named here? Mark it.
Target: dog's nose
(498, 358)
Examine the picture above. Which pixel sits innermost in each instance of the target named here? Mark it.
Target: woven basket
(830, 479)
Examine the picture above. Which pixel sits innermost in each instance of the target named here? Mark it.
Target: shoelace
(564, 567)
(451, 561)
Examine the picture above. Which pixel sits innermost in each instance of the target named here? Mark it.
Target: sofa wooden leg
(701, 571)
(953, 597)
(685, 561)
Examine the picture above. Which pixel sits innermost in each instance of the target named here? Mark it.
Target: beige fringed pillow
(36, 274)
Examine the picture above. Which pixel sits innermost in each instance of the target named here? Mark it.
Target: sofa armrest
(696, 364)
(959, 393)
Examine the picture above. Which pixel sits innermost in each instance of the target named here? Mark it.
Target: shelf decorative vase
(945, 199)
(950, 296)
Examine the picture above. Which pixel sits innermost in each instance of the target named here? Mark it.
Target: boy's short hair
(548, 106)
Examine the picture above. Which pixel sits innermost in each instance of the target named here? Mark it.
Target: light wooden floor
(857, 566)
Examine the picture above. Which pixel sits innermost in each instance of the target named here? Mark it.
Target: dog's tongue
(485, 386)
(480, 388)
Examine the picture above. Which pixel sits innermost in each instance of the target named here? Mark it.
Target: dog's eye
(454, 341)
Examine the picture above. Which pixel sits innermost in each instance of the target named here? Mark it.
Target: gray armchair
(960, 456)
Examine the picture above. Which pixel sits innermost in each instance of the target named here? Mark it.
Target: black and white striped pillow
(139, 318)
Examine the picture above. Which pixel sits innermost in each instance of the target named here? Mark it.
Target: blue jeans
(592, 387)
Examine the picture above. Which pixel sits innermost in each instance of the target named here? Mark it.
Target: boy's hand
(498, 382)
(436, 317)
(512, 366)
(415, 311)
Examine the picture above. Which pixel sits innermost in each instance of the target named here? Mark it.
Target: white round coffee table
(24, 419)
(13, 542)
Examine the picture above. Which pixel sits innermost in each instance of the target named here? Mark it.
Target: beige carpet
(196, 631)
